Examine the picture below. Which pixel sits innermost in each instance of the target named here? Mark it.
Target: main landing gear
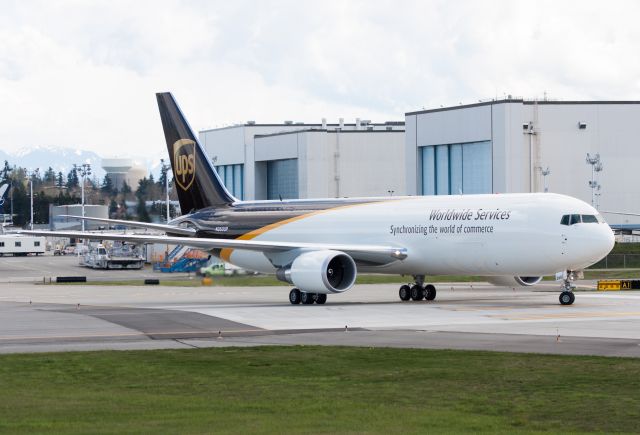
(417, 291)
(567, 297)
(297, 297)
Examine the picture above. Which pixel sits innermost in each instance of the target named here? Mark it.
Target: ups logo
(184, 162)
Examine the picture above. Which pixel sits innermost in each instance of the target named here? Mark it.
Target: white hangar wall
(522, 138)
(325, 160)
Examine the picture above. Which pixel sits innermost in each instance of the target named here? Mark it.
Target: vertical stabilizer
(196, 181)
(3, 193)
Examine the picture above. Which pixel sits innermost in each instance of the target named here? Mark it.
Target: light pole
(544, 173)
(30, 175)
(531, 132)
(165, 168)
(11, 197)
(84, 169)
(596, 166)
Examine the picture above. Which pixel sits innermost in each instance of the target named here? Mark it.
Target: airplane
(320, 245)
(3, 191)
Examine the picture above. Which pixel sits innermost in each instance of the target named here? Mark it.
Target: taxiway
(39, 318)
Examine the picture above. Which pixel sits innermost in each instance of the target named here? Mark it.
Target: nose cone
(592, 242)
(601, 241)
(610, 240)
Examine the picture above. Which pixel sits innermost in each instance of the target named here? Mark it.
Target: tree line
(55, 188)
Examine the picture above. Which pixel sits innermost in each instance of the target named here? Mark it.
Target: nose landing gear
(567, 297)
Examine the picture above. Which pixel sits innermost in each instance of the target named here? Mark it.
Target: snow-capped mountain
(61, 159)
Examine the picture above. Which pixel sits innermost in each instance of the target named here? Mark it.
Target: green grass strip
(317, 390)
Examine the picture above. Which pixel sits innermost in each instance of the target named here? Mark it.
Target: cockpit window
(570, 219)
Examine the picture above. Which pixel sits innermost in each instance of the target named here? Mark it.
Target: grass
(269, 280)
(316, 390)
(612, 274)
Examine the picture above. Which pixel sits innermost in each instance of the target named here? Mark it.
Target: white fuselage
(498, 234)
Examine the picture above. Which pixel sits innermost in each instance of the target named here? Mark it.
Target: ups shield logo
(184, 162)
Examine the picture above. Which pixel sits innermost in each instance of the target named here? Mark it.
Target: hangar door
(282, 179)
(233, 178)
(456, 169)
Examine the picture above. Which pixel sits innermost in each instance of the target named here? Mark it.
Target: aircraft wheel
(430, 292)
(417, 293)
(306, 298)
(294, 296)
(404, 293)
(567, 298)
(321, 298)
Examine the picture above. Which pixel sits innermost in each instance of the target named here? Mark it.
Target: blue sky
(84, 73)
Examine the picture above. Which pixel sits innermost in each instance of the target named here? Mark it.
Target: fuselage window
(564, 220)
(589, 219)
(575, 219)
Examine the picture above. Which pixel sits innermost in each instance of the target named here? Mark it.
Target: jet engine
(511, 281)
(320, 272)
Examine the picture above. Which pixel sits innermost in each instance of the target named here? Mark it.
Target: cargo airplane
(320, 245)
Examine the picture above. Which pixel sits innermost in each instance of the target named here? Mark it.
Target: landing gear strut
(417, 291)
(567, 297)
(298, 297)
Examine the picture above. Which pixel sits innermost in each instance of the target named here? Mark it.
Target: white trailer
(21, 245)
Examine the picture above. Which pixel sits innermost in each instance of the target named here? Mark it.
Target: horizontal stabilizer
(169, 229)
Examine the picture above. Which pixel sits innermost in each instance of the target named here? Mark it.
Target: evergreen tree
(107, 185)
(141, 194)
(49, 176)
(59, 180)
(72, 179)
(126, 190)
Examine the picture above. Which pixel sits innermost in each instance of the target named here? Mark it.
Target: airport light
(29, 176)
(165, 168)
(528, 129)
(544, 173)
(11, 197)
(84, 170)
(596, 167)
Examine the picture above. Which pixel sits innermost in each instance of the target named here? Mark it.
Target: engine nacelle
(511, 281)
(321, 272)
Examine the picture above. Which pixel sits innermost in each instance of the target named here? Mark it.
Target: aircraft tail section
(4, 189)
(196, 181)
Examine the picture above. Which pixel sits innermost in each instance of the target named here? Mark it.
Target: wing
(620, 213)
(182, 231)
(377, 254)
(623, 228)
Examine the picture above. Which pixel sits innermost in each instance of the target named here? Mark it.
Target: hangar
(296, 160)
(495, 146)
(517, 145)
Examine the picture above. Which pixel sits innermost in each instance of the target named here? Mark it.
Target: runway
(43, 318)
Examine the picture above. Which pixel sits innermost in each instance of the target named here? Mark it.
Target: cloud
(84, 74)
